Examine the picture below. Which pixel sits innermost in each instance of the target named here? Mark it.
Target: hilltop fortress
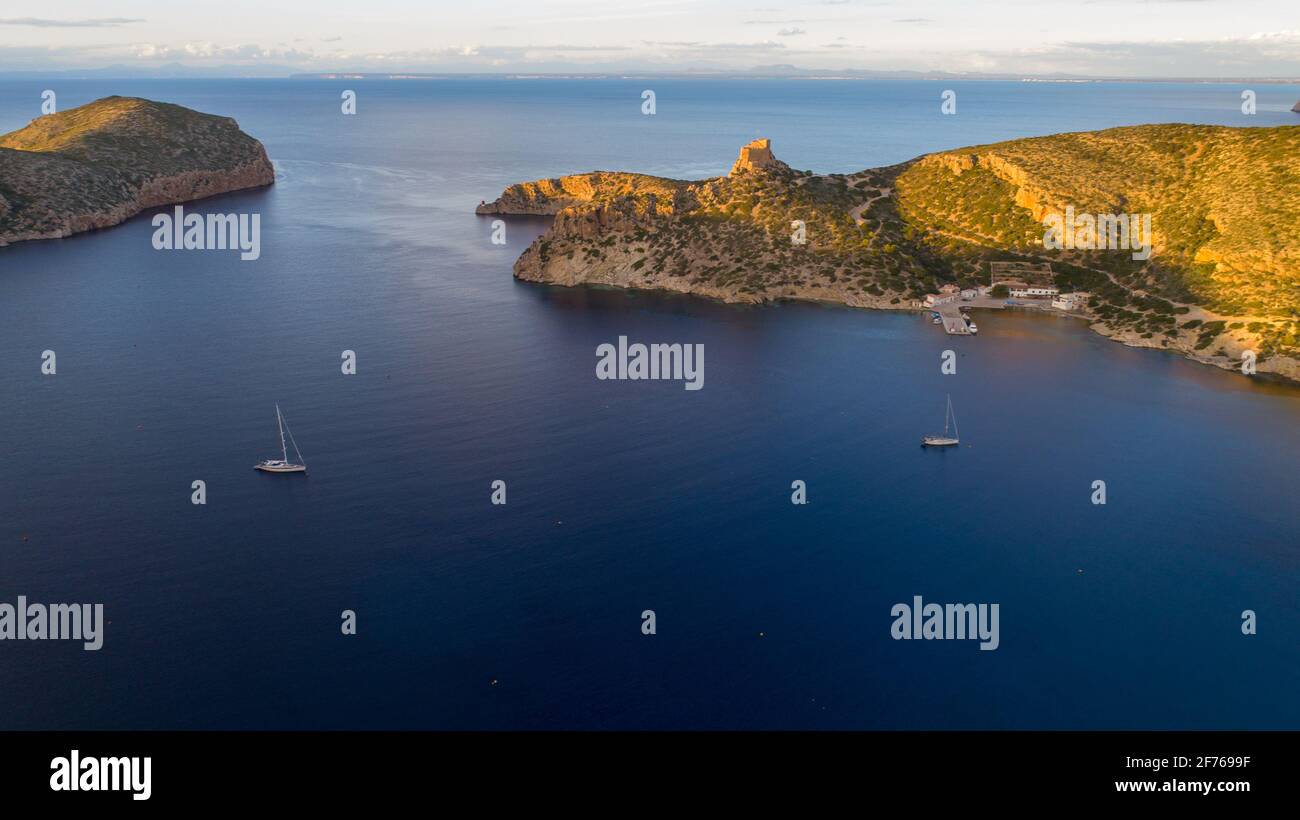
(757, 156)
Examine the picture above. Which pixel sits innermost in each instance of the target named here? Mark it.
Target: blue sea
(621, 496)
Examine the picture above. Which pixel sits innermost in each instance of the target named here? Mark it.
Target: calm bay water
(622, 496)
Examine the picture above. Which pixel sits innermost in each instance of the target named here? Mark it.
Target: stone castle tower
(754, 156)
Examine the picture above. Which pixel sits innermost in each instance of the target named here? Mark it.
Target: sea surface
(621, 496)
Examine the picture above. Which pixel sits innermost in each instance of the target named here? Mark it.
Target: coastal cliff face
(1223, 276)
(549, 196)
(1224, 203)
(100, 164)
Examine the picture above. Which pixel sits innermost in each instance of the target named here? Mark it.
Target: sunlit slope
(549, 196)
(1225, 205)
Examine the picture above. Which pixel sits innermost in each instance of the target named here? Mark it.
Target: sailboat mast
(955, 432)
(284, 451)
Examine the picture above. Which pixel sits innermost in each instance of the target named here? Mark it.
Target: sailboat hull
(280, 467)
(938, 441)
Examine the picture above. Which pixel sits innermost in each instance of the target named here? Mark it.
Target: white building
(1034, 291)
(1071, 301)
(947, 293)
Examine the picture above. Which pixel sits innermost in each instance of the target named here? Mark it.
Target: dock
(954, 324)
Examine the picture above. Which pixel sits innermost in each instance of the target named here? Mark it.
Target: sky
(1110, 38)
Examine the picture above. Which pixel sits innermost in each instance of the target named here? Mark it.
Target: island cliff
(104, 162)
(1223, 276)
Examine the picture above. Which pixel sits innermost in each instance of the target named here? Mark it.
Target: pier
(954, 324)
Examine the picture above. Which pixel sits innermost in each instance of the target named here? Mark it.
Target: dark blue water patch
(623, 496)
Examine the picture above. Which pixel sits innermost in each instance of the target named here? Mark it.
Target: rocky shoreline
(1284, 369)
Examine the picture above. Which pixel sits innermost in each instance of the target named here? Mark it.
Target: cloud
(95, 22)
(699, 44)
(1263, 54)
(1266, 54)
(781, 21)
(202, 51)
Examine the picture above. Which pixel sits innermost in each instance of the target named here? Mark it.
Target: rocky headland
(104, 162)
(1223, 276)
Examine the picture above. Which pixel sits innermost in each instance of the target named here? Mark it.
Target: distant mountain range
(781, 71)
(777, 72)
(165, 71)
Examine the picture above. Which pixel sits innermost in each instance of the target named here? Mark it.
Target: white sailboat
(944, 440)
(283, 465)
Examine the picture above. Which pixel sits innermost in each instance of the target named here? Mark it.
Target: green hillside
(1224, 206)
